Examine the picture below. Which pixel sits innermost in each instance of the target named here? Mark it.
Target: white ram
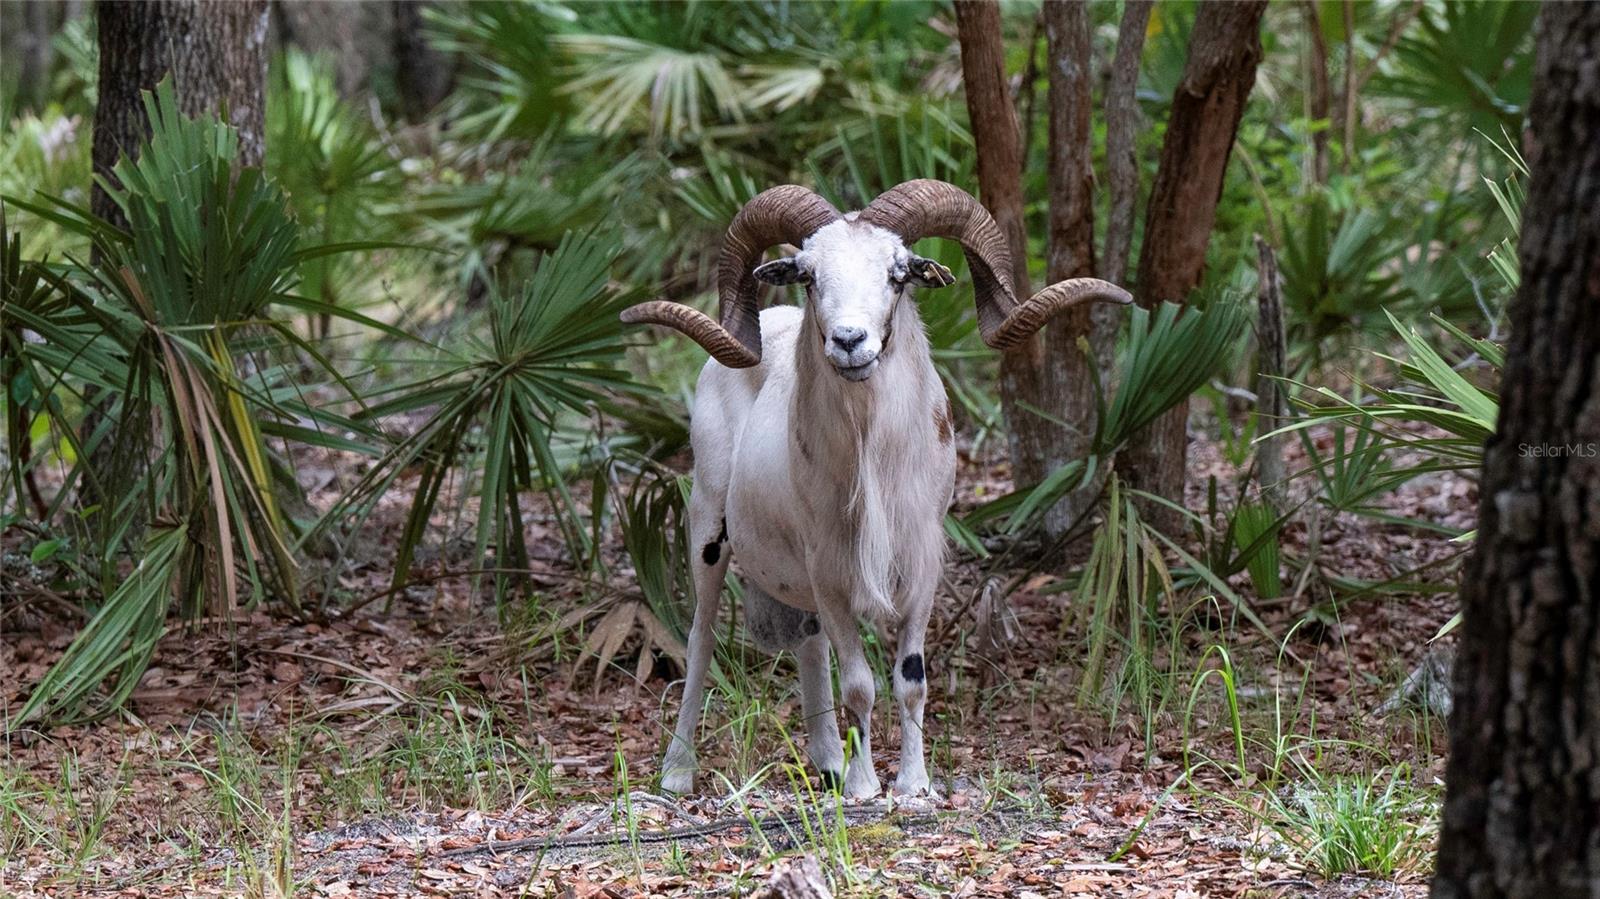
(823, 453)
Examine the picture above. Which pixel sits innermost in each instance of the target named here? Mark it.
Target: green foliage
(160, 330)
(338, 176)
(1335, 280)
(1466, 65)
(550, 348)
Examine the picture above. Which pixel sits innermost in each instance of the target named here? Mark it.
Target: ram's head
(857, 267)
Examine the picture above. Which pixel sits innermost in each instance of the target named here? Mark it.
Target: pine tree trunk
(1522, 812)
(215, 51)
(1224, 49)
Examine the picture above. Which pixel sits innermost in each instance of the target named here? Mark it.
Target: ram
(823, 456)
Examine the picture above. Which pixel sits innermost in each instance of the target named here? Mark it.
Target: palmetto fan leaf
(1169, 352)
(622, 78)
(552, 348)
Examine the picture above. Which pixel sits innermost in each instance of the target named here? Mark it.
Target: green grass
(1378, 824)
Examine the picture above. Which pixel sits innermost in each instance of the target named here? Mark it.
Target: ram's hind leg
(857, 693)
(776, 626)
(708, 539)
(816, 703)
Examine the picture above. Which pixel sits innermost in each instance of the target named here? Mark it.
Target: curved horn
(784, 214)
(928, 208)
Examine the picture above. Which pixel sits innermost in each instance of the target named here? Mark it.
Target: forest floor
(379, 748)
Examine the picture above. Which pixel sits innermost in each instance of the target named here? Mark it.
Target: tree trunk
(422, 74)
(1522, 811)
(1320, 95)
(1122, 125)
(1066, 382)
(1224, 49)
(996, 133)
(30, 27)
(1272, 406)
(1026, 380)
(215, 51)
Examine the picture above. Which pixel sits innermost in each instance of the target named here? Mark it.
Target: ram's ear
(927, 273)
(783, 271)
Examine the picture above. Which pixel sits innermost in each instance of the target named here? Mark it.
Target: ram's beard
(876, 567)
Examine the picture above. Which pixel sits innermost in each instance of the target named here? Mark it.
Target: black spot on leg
(830, 780)
(713, 550)
(911, 669)
(810, 627)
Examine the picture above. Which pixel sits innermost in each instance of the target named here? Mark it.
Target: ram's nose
(847, 337)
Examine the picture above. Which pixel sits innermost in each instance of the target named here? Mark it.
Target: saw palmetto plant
(550, 349)
(173, 334)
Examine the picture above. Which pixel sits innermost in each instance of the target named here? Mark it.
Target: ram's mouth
(858, 372)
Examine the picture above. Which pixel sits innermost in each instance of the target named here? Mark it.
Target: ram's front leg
(708, 537)
(911, 687)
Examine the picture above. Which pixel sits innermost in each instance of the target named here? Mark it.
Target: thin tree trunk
(215, 51)
(1122, 126)
(1320, 95)
(422, 74)
(34, 48)
(1271, 407)
(1027, 91)
(1224, 49)
(997, 136)
(1522, 811)
(1066, 382)
(1352, 112)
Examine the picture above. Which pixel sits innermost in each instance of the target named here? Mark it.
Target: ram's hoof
(679, 782)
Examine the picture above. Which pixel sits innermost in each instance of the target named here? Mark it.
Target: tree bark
(1522, 811)
(215, 51)
(422, 74)
(1224, 49)
(1065, 384)
(1272, 407)
(1122, 125)
(996, 133)
(1320, 94)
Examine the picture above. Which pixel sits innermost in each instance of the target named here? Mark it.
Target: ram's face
(855, 276)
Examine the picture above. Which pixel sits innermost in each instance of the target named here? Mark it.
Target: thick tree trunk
(215, 51)
(1224, 49)
(422, 74)
(1522, 811)
(1066, 382)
